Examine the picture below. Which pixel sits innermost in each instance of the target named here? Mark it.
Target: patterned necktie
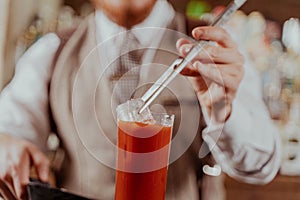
(124, 77)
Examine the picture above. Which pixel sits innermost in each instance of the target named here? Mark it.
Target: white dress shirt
(242, 147)
(112, 36)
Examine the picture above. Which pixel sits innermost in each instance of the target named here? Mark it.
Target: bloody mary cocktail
(142, 161)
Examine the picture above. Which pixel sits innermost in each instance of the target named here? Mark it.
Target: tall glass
(143, 155)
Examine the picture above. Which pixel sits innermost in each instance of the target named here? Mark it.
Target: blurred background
(269, 31)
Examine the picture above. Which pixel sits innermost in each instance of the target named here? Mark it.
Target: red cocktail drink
(143, 155)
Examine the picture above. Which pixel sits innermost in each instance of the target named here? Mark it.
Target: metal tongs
(178, 65)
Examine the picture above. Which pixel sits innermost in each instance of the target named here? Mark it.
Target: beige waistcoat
(84, 116)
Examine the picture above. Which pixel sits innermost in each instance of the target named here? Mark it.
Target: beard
(127, 15)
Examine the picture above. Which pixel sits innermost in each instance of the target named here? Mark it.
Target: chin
(128, 19)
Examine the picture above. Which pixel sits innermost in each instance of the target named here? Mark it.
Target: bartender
(67, 84)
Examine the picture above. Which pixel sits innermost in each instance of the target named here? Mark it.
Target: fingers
(16, 158)
(227, 76)
(5, 192)
(182, 41)
(22, 178)
(19, 189)
(219, 64)
(190, 70)
(212, 54)
(217, 70)
(20, 169)
(215, 34)
(40, 162)
(8, 182)
(16, 175)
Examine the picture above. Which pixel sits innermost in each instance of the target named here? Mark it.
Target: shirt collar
(160, 16)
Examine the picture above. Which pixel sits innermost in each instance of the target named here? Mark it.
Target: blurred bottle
(290, 65)
(272, 87)
(290, 60)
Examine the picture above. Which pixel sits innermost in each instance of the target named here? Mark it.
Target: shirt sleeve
(248, 145)
(24, 104)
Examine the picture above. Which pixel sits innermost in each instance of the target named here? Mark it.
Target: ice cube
(129, 111)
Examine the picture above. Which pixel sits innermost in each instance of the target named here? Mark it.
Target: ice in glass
(143, 153)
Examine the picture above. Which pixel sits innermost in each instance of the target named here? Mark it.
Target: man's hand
(216, 72)
(16, 158)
